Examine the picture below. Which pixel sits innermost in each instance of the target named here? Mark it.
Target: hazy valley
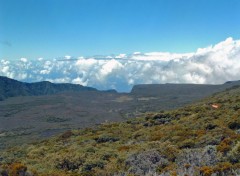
(61, 107)
(166, 138)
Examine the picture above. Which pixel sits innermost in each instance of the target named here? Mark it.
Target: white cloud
(80, 81)
(4, 62)
(5, 69)
(68, 57)
(214, 64)
(121, 56)
(44, 72)
(23, 59)
(21, 76)
(159, 56)
(137, 53)
(109, 67)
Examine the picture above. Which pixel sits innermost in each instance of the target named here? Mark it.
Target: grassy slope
(32, 118)
(193, 140)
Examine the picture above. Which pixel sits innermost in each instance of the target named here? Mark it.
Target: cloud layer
(214, 65)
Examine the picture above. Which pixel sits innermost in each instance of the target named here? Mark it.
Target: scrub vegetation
(200, 139)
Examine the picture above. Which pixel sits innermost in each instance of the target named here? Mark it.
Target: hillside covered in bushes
(200, 139)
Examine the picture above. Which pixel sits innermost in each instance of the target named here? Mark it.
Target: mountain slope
(169, 89)
(12, 88)
(29, 118)
(200, 139)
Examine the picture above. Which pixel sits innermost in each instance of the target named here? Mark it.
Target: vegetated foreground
(200, 139)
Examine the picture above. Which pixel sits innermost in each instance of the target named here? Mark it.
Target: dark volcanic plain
(25, 119)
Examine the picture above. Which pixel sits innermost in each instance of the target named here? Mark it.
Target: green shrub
(234, 154)
(87, 167)
(234, 125)
(103, 139)
(188, 143)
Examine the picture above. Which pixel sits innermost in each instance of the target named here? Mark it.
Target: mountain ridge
(183, 88)
(13, 88)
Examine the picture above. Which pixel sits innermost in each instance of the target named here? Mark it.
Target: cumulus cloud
(214, 64)
(159, 56)
(23, 59)
(68, 57)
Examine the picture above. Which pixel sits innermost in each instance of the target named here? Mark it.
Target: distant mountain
(12, 88)
(194, 90)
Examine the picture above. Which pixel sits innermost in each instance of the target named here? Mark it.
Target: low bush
(68, 165)
(88, 167)
(224, 146)
(18, 169)
(234, 125)
(103, 139)
(234, 153)
(142, 163)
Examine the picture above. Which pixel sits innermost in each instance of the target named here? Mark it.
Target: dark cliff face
(195, 90)
(12, 88)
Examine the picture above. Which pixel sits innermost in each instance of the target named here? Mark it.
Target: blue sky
(204, 33)
(53, 28)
